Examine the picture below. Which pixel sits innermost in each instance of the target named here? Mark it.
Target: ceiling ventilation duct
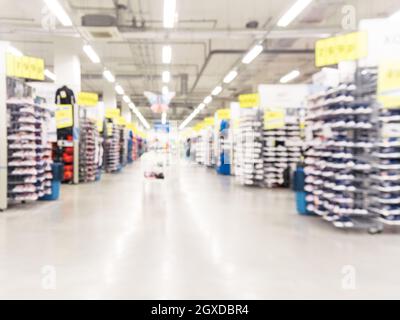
(98, 27)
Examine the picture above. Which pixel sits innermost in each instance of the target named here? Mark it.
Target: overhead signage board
(249, 100)
(88, 99)
(64, 116)
(25, 67)
(348, 47)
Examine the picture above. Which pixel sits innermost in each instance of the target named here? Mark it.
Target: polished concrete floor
(195, 235)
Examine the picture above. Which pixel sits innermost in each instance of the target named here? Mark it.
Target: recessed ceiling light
(93, 56)
(166, 77)
(207, 100)
(217, 91)
(14, 51)
(109, 76)
(293, 12)
(230, 76)
(252, 54)
(50, 74)
(290, 76)
(119, 90)
(167, 54)
(56, 8)
(169, 13)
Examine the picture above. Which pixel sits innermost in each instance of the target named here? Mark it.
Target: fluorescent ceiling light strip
(119, 90)
(126, 99)
(207, 100)
(93, 56)
(165, 90)
(167, 54)
(192, 116)
(169, 13)
(230, 76)
(293, 12)
(56, 8)
(50, 75)
(217, 91)
(166, 77)
(252, 54)
(14, 51)
(395, 16)
(109, 76)
(290, 76)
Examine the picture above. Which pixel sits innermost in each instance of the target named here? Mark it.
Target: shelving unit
(249, 165)
(282, 149)
(112, 148)
(338, 162)
(29, 153)
(88, 148)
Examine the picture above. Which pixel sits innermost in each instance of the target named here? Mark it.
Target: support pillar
(67, 68)
(3, 128)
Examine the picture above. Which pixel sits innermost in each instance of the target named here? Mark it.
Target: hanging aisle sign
(249, 100)
(349, 47)
(274, 118)
(389, 84)
(25, 67)
(112, 113)
(224, 114)
(64, 116)
(88, 99)
(210, 121)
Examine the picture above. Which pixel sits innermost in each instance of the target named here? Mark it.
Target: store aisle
(195, 235)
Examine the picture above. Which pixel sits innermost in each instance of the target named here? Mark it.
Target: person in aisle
(188, 148)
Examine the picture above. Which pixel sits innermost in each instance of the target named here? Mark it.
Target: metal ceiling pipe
(242, 52)
(206, 34)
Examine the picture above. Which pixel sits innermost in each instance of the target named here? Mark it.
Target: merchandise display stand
(338, 162)
(385, 176)
(224, 149)
(88, 148)
(3, 128)
(249, 166)
(282, 150)
(29, 154)
(112, 148)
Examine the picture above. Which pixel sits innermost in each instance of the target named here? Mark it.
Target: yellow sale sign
(348, 47)
(112, 113)
(64, 116)
(249, 100)
(274, 119)
(88, 99)
(25, 67)
(224, 114)
(389, 84)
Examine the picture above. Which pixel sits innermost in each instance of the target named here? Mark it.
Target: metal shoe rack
(338, 161)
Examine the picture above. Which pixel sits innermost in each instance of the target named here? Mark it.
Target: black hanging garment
(65, 95)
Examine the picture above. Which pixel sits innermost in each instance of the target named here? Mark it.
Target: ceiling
(209, 38)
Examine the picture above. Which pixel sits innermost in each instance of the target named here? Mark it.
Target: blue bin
(301, 203)
(55, 192)
(58, 174)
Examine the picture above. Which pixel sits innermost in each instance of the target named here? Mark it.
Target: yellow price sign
(389, 84)
(348, 47)
(100, 125)
(25, 67)
(210, 121)
(88, 99)
(121, 121)
(112, 113)
(224, 114)
(274, 119)
(64, 116)
(249, 100)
